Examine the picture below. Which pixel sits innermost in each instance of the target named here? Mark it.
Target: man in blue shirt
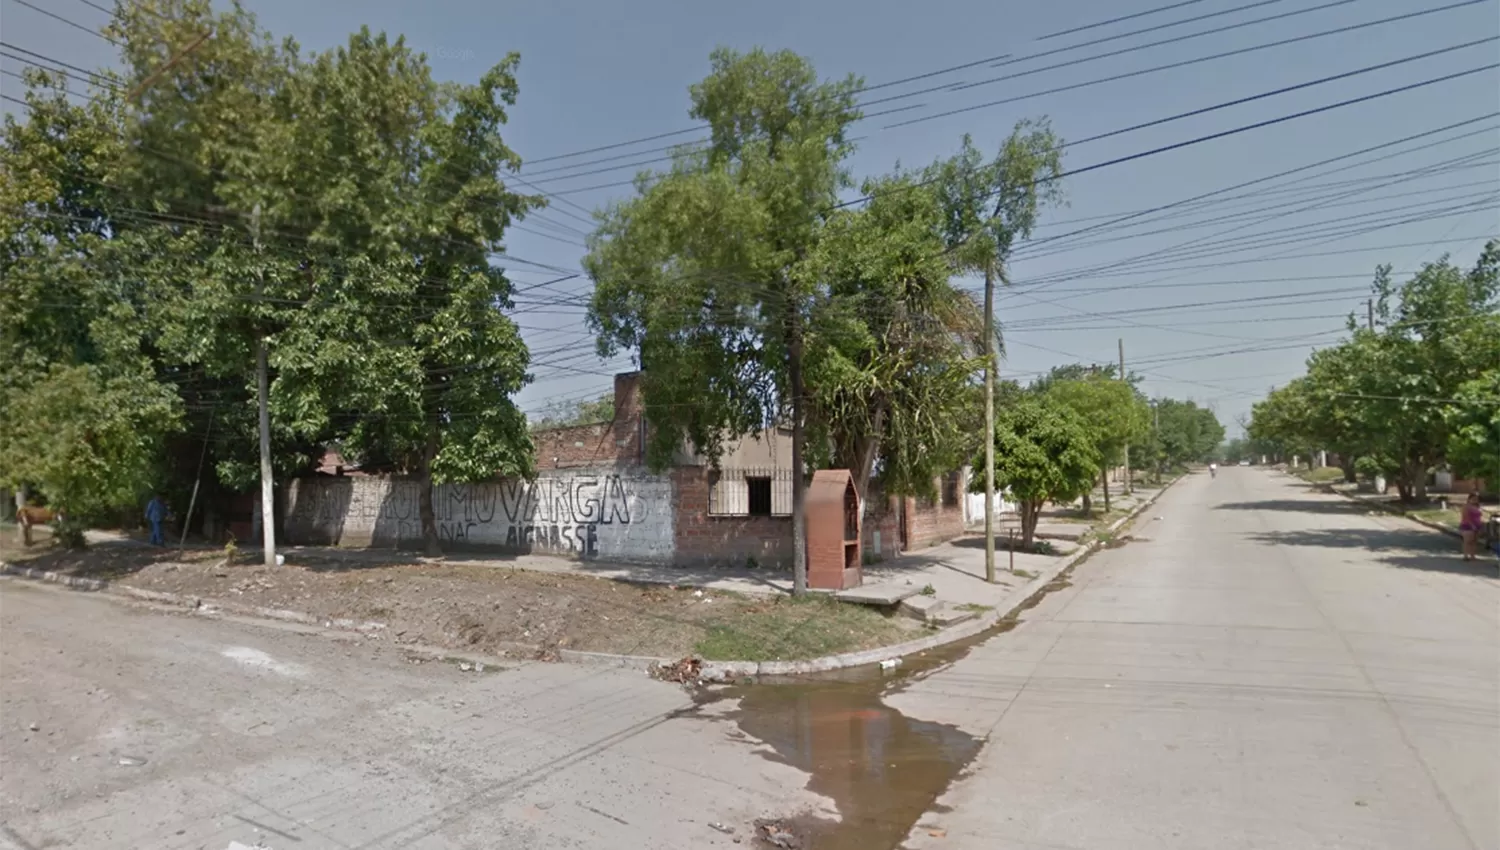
(156, 514)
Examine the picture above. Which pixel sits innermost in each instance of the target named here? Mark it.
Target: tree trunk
(1104, 479)
(799, 477)
(1088, 504)
(863, 460)
(1030, 511)
(1414, 474)
(1347, 465)
(430, 543)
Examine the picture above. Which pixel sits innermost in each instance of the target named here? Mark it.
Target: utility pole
(989, 421)
(1156, 437)
(1370, 314)
(1127, 441)
(263, 393)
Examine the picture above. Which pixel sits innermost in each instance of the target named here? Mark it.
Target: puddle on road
(882, 769)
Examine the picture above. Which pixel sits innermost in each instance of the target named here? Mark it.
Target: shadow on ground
(1413, 549)
(1299, 506)
(108, 559)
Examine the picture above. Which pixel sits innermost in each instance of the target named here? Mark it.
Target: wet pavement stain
(883, 770)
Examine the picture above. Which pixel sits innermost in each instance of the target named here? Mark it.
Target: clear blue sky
(598, 73)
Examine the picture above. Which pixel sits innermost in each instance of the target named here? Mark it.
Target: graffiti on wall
(581, 514)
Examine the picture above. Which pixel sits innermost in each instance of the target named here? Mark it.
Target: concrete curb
(1392, 510)
(712, 671)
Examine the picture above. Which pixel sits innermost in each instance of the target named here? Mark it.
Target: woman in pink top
(1469, 525)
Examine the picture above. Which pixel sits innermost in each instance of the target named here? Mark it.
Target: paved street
(172, 732)
(1262, 667)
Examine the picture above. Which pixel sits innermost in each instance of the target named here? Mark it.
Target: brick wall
(931, 523)
(928, 523)
(615, 443)
(703, 539)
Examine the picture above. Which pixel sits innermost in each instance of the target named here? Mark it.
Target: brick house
(594, 497)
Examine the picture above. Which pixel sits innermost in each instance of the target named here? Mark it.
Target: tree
(893, 344)
(563, 414)
(343, 207)
(1043, 453)
(81, 415)
(1185, 432)
(1111, 411)
(702, 274)
(1474, 428)
(89, 439)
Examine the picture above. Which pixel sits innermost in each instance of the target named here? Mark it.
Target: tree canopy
(1110, 410)
(1411, 393)
(1044, 452)
(343, 206)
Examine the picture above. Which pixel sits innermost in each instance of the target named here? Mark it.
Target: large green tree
(341, 207)
(1043, 453)
(894, 343)
(1410, 392)
(702, 273)
(1114, 415)
(82, 416)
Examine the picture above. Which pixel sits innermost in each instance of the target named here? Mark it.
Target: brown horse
(31, 515)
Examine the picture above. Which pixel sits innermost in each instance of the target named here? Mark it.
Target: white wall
(581, 513)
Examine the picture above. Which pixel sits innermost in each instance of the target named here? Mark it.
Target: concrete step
(884, 595)
(919, 607)
(944, 616)
(934, 611)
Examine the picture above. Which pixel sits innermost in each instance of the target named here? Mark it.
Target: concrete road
(1263, 667)
(128, 728)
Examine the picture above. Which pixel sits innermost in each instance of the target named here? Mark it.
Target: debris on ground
(686, 671)
(727, 830)
(774, 833)
(131, 761)
(890, 664)
(35, 728)
(938, 833)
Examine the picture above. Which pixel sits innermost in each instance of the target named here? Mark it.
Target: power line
(1141, 126)
(1124, 50)
(1130, 17)
(74, 24)
(1286, 173)
(1182, 64)
(890, 83)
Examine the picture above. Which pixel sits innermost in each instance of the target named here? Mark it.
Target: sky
(1216, 300)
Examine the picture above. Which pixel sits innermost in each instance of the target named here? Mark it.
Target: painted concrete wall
(604, 514)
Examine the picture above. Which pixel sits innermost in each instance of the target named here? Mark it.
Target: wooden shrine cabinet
(834, 555)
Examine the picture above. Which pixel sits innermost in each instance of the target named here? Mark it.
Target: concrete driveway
(1264, 666)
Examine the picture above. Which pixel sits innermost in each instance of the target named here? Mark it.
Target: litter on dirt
(776, 835)
(685, 671)
(727, 830)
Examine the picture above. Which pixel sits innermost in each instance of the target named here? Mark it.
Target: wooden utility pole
(1127, 441)
(263, 396)
(1370, 314)
(989, 422)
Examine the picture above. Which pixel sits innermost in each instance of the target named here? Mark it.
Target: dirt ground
(494, 609)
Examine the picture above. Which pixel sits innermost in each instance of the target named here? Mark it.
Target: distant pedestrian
(156, 514)
(1469, 523)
